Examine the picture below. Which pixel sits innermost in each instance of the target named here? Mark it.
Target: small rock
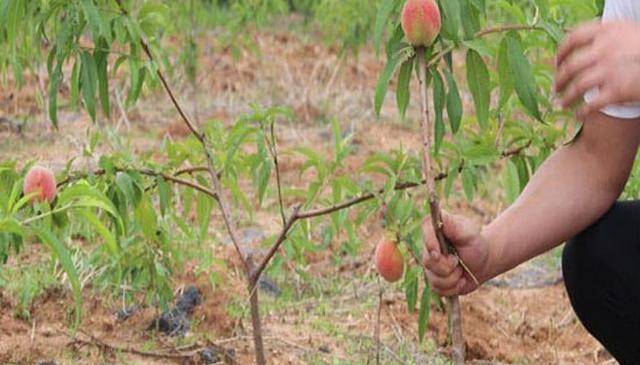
(325, 349)
(189, 299)
(175, 322)
(47, 363)
(209, 356)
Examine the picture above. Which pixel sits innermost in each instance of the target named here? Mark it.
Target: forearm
(570, 191)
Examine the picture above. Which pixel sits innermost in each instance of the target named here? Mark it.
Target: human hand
(602, 55)
(446, 275)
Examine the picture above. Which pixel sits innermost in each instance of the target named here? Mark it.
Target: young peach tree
(512, 118)
(136, 206)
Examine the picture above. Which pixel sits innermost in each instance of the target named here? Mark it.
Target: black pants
(601, 268)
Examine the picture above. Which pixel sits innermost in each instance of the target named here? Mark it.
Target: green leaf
(521, 69)
(505, 76)
(470, 19)
(164, 190)
(82, 194)
(54, 82)
(481, 154)
(479, 85)
(395, 43)
(93, 18)
(13, 205)
(101, 58)
(89, 78)
(439, 97)
(383, 82)
(64, 257)
(468, 182)
(411, 288)
(124, 182)
(101, 229)
(454, 103)
(264, 174)
(480, 5)
(204, 206)
(555, 32)
(9, 225)
(451, 178)
(75, 84)
(119, 61)
(382, 19)
(423, 315)
(147, 218)
(511, 182)
(403, 91)
(137, 80)
(450, 18)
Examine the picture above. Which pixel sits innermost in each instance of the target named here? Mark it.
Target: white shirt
(619, 10)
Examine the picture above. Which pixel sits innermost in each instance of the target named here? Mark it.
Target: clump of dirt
(176, 322)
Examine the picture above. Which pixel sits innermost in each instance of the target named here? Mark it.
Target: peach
(41, 180)
(421, 22)
(389, 260)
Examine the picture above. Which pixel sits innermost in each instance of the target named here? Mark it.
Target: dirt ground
(503, 324)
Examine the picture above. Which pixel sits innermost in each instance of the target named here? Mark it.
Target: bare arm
(570, 191)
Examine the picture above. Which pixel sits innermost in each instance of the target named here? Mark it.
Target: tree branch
(276, 245)
(244, 256)
(453, 303)
(147, 172)
(506, 28)
(273, 148)
(483, 33)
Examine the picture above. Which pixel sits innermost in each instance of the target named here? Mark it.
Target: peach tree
(135, 206)
(512, 118)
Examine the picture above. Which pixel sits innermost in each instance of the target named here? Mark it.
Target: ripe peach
(421, 21)
(40, 179)
(389, 261)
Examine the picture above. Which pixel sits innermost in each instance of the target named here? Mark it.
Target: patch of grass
(26, 283)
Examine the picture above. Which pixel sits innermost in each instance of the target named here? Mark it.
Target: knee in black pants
(600, 271)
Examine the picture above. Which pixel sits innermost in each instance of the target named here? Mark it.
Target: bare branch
(147, 172)
(255, 275)
(224, 208)
(453, 303)
(506, 28)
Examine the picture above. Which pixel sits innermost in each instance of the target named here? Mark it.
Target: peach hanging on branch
(421, 22)
(41, 182)
(389, 260)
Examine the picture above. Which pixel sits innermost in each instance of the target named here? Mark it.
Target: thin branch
(255, 275)
(500, 129)
(361, 199)
(222, 201)
(273, 148)
(148, 172)
(46, 214)
(376, 331)
(516, 151)
(453, 303)
(297, 215)
(483, 33)
(174, 354)
(506, 28)
(191, 170)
